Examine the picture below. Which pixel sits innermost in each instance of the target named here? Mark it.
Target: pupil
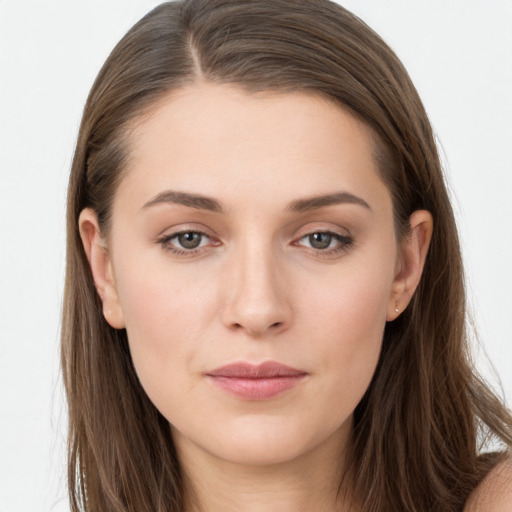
(320, 240)
(189, 240)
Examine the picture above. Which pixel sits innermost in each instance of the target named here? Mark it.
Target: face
(253, 261)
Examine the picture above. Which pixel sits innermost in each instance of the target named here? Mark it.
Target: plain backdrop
(459, 54)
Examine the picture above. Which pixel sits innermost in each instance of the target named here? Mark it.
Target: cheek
(166, 317)
(351, 303)
(348, 317)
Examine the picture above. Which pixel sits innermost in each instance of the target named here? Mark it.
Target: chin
(259, 452)
(264, 441)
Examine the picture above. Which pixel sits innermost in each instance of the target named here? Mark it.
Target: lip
(256, 382)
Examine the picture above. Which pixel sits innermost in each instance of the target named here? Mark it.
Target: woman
(264, 294)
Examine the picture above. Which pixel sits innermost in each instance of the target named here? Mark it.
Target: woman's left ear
(411, 260)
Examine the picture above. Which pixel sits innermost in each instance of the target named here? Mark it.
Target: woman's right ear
(101, 267)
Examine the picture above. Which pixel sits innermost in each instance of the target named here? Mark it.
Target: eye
(320, 240)
(189, 240)
(185, 242)
(325, 242)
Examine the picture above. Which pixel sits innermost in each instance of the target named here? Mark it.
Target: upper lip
(243, 370)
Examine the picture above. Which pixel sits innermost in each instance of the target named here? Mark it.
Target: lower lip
(257, 389)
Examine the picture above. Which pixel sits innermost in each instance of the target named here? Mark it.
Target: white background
(459, 54)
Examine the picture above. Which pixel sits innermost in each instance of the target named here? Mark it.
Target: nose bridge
(256, 300)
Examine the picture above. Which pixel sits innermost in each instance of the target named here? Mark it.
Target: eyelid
(323, 227)
(184, 227)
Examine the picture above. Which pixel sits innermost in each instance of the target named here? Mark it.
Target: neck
(308, 483)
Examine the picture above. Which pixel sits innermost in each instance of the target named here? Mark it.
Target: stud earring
(396, 307)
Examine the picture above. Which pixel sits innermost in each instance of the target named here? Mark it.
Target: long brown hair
(419, 429)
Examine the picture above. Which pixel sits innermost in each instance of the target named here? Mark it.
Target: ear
(411, 260)
(101, 267)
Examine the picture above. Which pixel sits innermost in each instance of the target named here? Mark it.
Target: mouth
(256, 382)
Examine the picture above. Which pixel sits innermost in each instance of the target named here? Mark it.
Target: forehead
(219, 140)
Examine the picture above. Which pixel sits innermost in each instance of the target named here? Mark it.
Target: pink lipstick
(256, 382)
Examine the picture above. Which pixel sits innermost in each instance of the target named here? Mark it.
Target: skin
(258, 287)
(495, 491)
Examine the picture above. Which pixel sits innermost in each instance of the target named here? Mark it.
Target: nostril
(257, 331)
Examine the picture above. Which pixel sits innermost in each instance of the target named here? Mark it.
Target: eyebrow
(200, 202)
(183, 198)
(317, 202)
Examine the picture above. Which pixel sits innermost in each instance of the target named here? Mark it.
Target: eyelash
(345, 243)
(165, 241)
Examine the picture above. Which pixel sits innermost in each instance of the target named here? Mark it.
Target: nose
(256, 294)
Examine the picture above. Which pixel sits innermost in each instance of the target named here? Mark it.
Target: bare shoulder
(494, 494)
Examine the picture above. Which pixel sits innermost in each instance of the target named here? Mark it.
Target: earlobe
(101, 267)
(413, 253)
